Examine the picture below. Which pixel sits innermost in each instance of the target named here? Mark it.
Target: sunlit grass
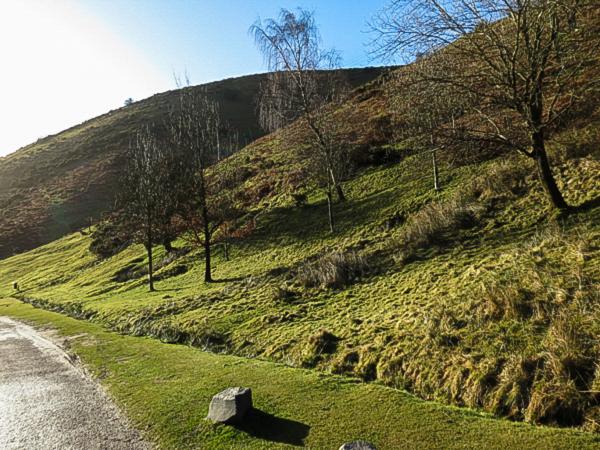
(165, 389)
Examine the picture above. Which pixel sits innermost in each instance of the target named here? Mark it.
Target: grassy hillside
(54, 186)
(478, 298)
(478, 295)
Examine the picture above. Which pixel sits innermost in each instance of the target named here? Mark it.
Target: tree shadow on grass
(262, 425)
(588, 205)
(227, 280)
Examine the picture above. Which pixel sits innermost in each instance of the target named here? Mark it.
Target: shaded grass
(165, 390)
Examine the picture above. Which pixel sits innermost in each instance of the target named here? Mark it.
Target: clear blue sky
(65, 61)
(210, 37)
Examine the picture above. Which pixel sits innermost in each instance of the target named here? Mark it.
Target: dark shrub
(109, 238)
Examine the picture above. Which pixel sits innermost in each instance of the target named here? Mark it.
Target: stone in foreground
(230, 405)
(358, 445)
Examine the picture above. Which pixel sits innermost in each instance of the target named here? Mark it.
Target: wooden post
(436, 181)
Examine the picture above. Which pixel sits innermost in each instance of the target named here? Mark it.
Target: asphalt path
(48, 402)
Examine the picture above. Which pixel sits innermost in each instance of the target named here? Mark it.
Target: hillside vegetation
(471, 296)
(166, 390)
(479, 294)
(57, 184)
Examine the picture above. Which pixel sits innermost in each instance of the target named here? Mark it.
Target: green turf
(165, 389)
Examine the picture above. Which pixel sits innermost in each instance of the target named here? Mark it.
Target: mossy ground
(165, 389)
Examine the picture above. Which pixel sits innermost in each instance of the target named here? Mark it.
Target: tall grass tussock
(333, 270)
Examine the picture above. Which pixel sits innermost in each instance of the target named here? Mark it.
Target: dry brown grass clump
(333, 270)
(435, 223)
(512, 395)
(321, 343)
(504, 177)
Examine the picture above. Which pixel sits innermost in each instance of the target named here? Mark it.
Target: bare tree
(302, 81)
(224, 179)
(144, 192)
(520, 62)
(194, 131)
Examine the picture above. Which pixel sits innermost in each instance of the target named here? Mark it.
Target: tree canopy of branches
(204, 207)
(145, 194)
(303, 80)
(517, 64)
(427, 111)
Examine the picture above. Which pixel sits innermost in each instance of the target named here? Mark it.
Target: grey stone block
(230, 405)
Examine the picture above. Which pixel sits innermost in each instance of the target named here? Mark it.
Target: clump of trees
(516, 65)
(167, 189)
(302, 81)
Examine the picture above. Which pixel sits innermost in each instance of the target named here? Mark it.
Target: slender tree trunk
(340, 193)
(325, 148)
(330, 209)
(207, 267)
(545, 172)
(338, 187)
(150, 262)
(436, 181)
(218, 145)
(226, 250)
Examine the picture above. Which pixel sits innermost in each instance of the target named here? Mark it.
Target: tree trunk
(545, 172)
(150, 265)
(207, 267)
(330, 209)
(218, 145)
(226, 250)
(338, 187)
(436, 181)
(340, 193)
(167, 244)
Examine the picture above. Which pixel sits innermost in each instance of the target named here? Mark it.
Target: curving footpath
(46, 402)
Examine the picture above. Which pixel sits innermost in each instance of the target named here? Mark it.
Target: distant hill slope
(55, 185)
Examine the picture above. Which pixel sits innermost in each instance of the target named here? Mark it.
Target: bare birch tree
(520, 60)
(302, 81)
(426, 111)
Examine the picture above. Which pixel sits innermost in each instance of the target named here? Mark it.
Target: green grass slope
(55, 185)
(497, 308)
(165, 389)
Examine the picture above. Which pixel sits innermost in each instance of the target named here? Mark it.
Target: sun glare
(61, 66)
